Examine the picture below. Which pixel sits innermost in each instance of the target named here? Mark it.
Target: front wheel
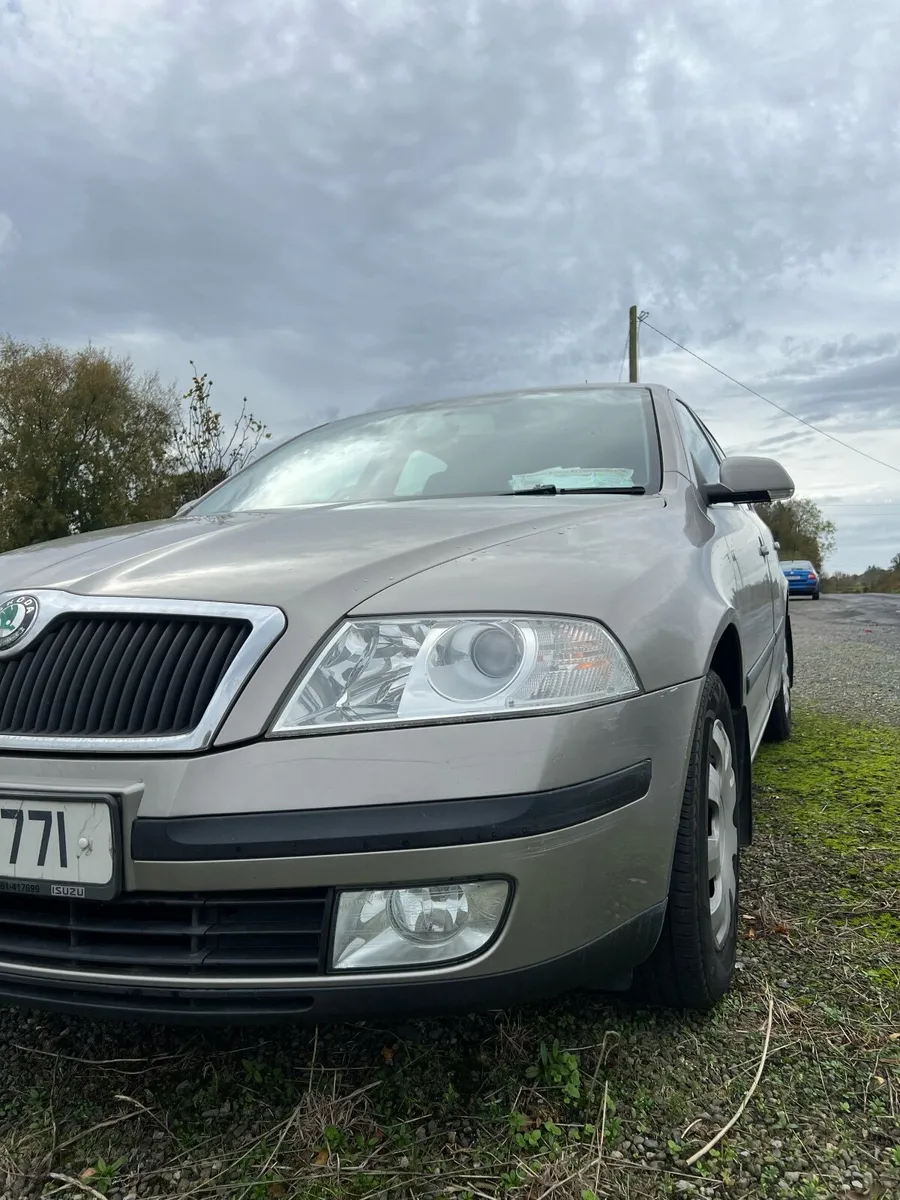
(693, 964)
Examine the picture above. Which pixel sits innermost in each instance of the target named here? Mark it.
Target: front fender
(664, 596)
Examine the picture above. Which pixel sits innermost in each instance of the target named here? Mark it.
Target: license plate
(57, 847)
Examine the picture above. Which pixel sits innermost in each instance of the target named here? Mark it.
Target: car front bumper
(583, 830)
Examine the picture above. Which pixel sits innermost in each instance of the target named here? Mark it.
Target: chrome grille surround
(266, 624)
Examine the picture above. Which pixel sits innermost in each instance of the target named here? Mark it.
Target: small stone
(857, 1185)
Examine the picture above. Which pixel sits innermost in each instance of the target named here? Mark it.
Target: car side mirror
(778, 545)
(745, 480)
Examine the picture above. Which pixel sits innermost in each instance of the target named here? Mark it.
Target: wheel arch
(727, 661)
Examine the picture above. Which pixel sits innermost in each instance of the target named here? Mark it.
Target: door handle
(764, 550)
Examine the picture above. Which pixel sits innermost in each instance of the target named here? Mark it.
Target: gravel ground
(579, 1099)
(847, 651)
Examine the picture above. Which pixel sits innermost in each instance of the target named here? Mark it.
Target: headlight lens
(404, 670)
(434, 924)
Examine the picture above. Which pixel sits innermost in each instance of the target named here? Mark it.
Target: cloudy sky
(334, 203)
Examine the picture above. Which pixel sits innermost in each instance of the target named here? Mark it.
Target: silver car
(445, 707)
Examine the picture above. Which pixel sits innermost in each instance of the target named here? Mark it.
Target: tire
(816, 595)
(781, 719)
(692, 966)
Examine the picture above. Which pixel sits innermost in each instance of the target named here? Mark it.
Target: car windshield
(590, 438)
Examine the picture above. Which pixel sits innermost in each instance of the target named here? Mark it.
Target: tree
(873, 579)
(205, 452)
(801, 529)
(85, 443)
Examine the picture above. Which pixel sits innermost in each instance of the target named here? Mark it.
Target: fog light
(439, 923)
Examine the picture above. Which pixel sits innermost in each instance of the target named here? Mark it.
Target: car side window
(698, 445)
(713, 441)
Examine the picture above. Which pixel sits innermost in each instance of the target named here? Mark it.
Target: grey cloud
(783, 441)
(865, 395)
(460, 192)
(369, 203)
(806, 358)
(867, 534)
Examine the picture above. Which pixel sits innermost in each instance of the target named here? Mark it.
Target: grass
(837, 788)
(582, 1098)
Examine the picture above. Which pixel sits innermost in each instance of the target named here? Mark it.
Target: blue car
(802, 577)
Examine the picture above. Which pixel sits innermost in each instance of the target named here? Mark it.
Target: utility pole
(633, 344)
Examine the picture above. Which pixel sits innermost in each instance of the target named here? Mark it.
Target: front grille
(270, 933)
(118, 675)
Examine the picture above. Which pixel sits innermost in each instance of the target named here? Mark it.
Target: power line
(787, 412)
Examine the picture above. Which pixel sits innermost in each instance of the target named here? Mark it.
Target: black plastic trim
(764, 660)
(365, 828)
(603, 965)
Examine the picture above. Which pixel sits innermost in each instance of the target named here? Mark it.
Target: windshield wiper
(550, 489)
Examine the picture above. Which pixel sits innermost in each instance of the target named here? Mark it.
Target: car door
(753, 594)
(779, 592)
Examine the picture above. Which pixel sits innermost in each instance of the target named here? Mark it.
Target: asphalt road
(868, 610)
(847, 655)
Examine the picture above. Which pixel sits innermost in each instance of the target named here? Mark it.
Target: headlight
(405, 670)
(434, 924)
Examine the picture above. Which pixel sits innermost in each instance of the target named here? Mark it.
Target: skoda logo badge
(16, 617)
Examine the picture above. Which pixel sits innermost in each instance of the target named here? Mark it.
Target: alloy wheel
(722, 833)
